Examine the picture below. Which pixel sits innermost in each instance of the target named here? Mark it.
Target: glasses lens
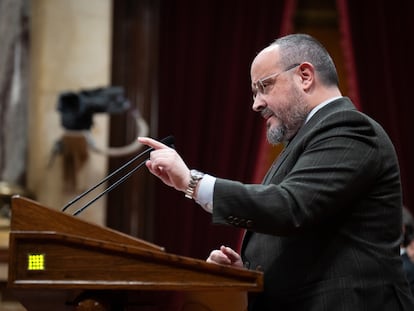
(258, 87)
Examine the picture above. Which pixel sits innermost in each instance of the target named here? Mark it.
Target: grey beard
(276, 135)
(283, 133)
(290, 122)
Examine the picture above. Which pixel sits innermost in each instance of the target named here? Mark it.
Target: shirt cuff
(205, 192)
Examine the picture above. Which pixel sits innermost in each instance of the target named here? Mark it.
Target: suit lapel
(275, 166)
(339, 104)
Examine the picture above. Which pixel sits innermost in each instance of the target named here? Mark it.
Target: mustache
(266, 113)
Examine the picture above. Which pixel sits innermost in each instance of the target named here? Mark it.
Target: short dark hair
(299, 48)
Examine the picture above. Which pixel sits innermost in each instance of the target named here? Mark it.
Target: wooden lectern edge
(22, 202)
(142, 286)
(115, 246)
(154, 255)
(143, 248)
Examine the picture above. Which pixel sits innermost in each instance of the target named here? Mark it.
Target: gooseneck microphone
(169, 141)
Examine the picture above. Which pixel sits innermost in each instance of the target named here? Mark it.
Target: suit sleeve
(335, 164)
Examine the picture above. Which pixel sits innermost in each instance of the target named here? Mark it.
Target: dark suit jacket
(326, 225)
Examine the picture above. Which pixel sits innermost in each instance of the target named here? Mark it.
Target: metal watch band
(195, 177)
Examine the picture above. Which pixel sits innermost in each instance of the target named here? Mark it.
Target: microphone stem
(70, 203)
(118, 182)
(169, 141)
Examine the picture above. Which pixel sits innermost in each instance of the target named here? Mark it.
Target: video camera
(77, 108)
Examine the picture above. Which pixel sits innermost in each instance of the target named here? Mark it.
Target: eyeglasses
(262, 85)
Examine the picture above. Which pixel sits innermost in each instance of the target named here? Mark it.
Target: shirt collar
(321, 105)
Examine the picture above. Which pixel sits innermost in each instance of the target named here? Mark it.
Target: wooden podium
(60, 262)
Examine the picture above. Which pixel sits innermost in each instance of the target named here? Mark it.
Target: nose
(258, 103)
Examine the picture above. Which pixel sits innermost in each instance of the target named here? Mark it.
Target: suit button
(249, 224)
(230, 219)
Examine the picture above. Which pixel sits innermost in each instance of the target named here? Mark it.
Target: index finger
(152, 143)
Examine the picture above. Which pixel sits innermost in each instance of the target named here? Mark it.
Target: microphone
(169, 141)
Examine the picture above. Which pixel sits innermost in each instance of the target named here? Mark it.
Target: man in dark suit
(325, 225)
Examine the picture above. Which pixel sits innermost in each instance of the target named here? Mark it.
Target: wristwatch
(195, 177)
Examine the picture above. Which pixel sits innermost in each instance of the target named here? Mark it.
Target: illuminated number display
(36, 262)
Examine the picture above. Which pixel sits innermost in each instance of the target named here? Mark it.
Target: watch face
(196, 174)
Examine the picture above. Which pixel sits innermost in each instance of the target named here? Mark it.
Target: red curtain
(379, 35)
(206, 48)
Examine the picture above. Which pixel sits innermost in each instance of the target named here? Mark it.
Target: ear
(306, 73)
